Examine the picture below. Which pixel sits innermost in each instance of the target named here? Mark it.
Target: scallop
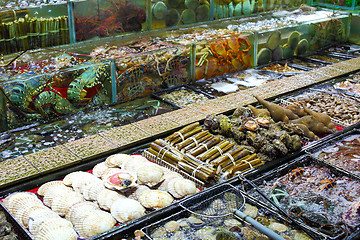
(107, 197)
(117, 160)
(92, 188)
(80, 210)
(22, 216)
(168, 176)
(97, 221)
(155, 199)
(43, 188)
(79, 183)
(55, 229)
(99, 169)
(134, 163)
(69, 178)
(118, 179)
(180, 187)
(61, 203)
(50, 194)
(12, 201)
(137, 191)
(150, 175)
(125, 209)
(40, 218)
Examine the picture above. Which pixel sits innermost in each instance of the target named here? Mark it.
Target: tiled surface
(211, 107)
(348, 67)
(51, 158)
(127, 134)
(235, 100)
(90, 146)
(156, 125)
(185, 116)
(16, 169)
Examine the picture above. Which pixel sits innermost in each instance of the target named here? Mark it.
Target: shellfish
(107, 197)
(56, 229)
(155, 199)
(150, 175)
(181, 187)
(99, 169)
(80, 210)
(138, 190)
(125, 209)
(118, 179)
(62, 202)
(117, 160)
(16, 200)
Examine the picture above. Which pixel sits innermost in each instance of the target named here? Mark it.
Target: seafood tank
(32, 28)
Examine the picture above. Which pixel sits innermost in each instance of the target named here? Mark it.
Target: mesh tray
(204, 199)
(284, 169)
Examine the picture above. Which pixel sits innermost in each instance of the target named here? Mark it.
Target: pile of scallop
(120, 189)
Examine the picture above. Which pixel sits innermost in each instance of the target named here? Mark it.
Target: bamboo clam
(200, 171)
(216, 151)
(186, 135)
(194, 139)
(242, 159)
(166, 145)
(163, 157)
(182, 131)
(227, 164)
(227, 158)
(200, 141)
(161, 151)
(205, 146)
(243, 163)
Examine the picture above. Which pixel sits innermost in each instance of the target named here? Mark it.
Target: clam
(107, 197)
(250, 210)
(159, 232)
(61, 203)
(43, 188)
(206, 232)
(117, 160)
(118, 179)
(150, 174)
(172, 226)
(97, 221)
(180, 187)
(125, 209)
(278, 227)
(155, 199)
(99, 169)
(232, 222)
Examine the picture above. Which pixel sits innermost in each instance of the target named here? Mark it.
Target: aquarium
(104, 18)
(337, 4)
(32, 28)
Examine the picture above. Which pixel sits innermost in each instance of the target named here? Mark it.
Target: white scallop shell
(155, 199)
(150, 174)
(22, 212)
(134, 163)
(61, 203)
(24, 216)
(43, 188)
(80, 210)
(12, 200)
(91, 191)
(55, 229)
(117, 160)
(137, 191)
(38, 217)
(97, 221)
(99, 169)
(69, 178)
(107, 197)
(168, 176)
(181, 187)
(53, 192)
(125, 209)
(126, 179)
(79, 183)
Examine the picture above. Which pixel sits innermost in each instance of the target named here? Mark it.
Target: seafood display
(274, 46)
(232, 82)
(202, 155)
(337, 106)
(120, 189)
(184, 97)
(39, 136)
(317, 196)
(108, 17)
(185, 225)
(344, 154)
(351, 84)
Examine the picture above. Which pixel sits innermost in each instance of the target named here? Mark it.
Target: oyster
(118, 179)
(155, 199)
(125, 209)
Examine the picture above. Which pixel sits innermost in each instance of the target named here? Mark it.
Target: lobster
(47, 102)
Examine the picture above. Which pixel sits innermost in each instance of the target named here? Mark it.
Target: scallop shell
(95, 222)
(43, 188)
(107, 197)
(119, 179)
(80, 210)
(92, 191)
(125, 209)
(69, 178)
(10, 202)
(55, 228)
(52, 192)
(134, 163)
(150, 175)
(79, 183)
(117, 160)
(24, 216)
(39, 217)
(168, 176)
(99, 169)
(22, 212)
(181, 187)
(155, 199)
(61, 203)
(137, 191)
